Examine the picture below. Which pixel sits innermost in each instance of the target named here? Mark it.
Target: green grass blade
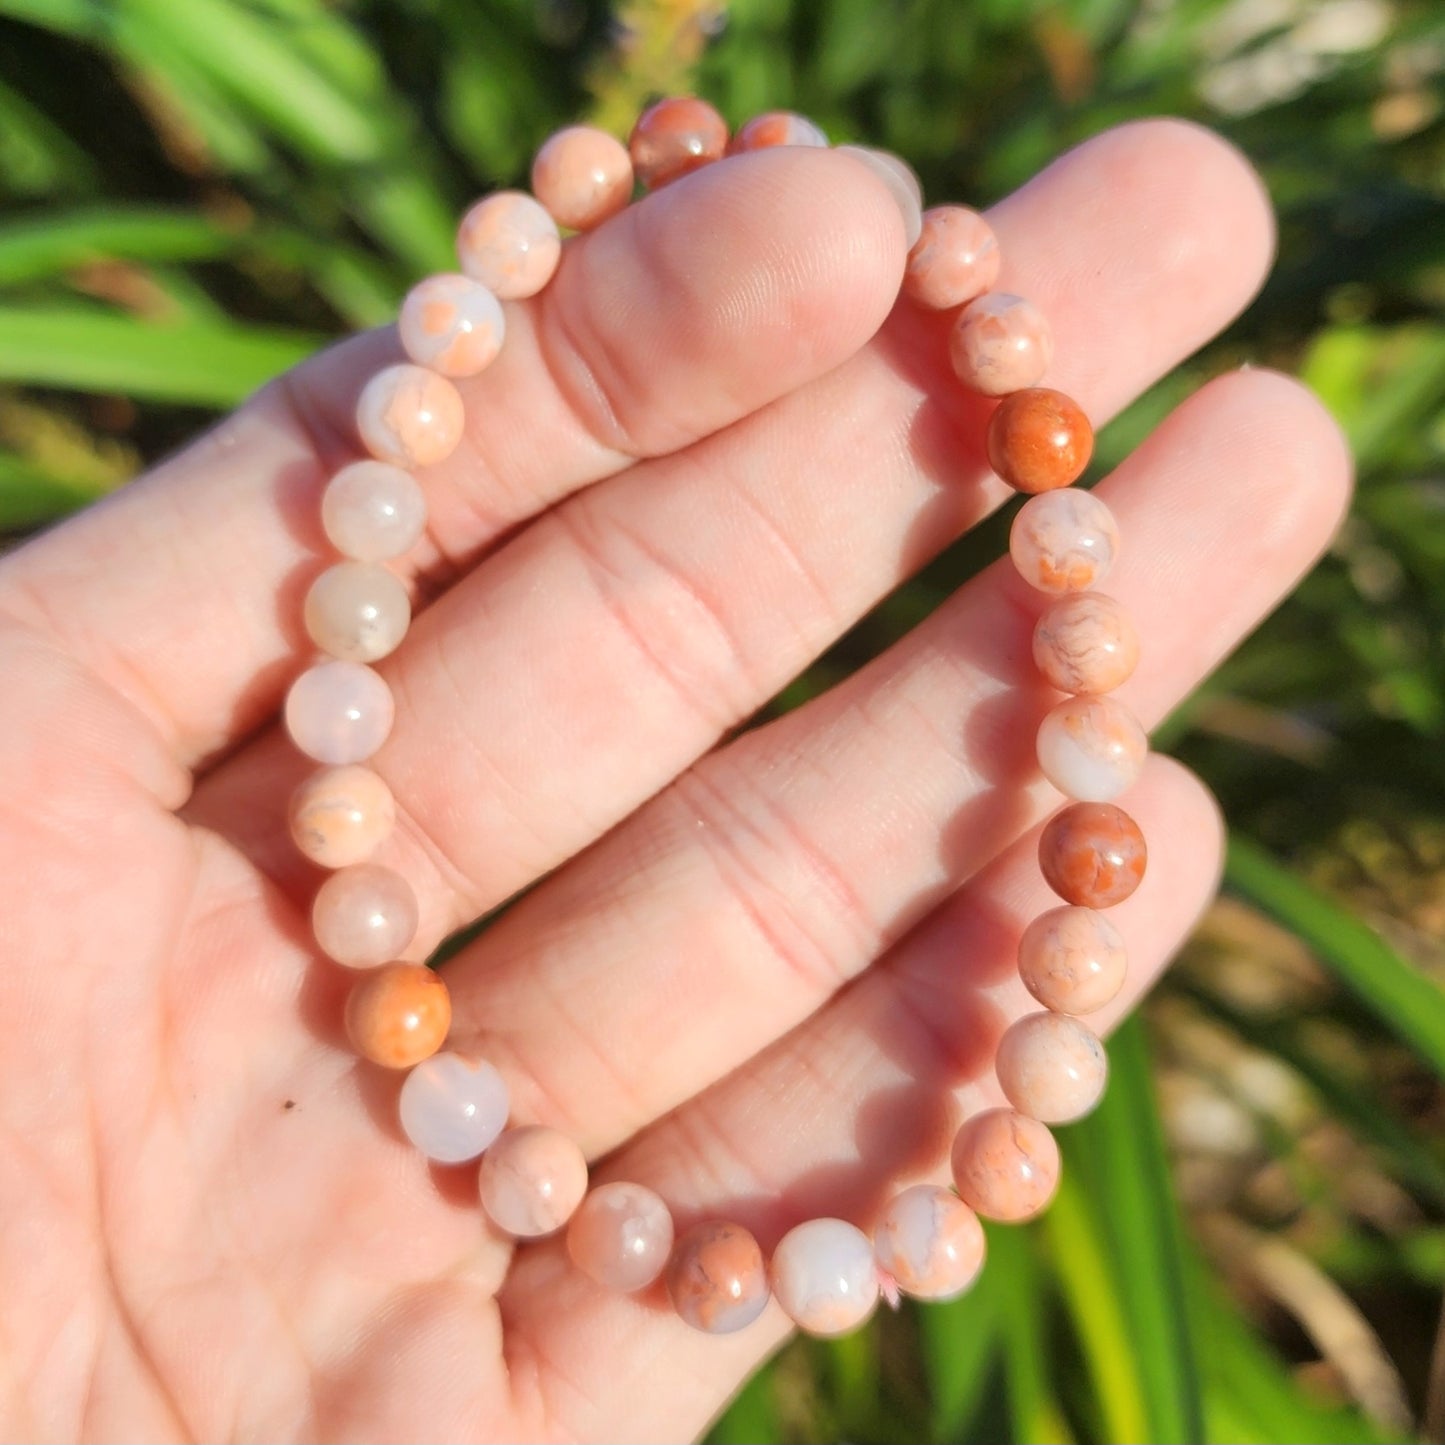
(30, 495)
(751, 1418)
(959, 1342)
(32, 249)
(1033, 1408)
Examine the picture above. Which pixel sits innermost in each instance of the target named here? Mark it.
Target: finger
(861, 1100)
(781, 866)
(684, 313)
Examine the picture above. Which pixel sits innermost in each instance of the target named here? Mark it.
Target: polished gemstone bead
(372, 511)
(1005, 1164)
(582, 175)
(341, 816)
(451, 324)
(901, 182)
(339, 712)
(930, 1242)
(621, 1236)
(357, 611)
(1000, 343)
(364, 915)
(453, 1108)
(1086, 642)
(955, 259)
(825, 1277)
(674, 137)
(532, 1180)
(1051, 1067)
(410, 416)
(509, 243)
(1091, 748)
(398, 1014)
(776, 128)
(1092, 854)
(1064, 541)
(716, 1278)
(1072, 960)
(1039, 440)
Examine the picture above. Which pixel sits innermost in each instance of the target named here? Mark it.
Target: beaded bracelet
(825, 1273)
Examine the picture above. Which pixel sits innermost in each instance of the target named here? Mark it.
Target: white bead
(452, 1108)
(1091, 748)
(339, 712)
(357, 611)
(825, 1277)
(372, 511)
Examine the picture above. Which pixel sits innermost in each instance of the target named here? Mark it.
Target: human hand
(766, 975)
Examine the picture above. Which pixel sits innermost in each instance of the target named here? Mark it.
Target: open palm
(763, 975)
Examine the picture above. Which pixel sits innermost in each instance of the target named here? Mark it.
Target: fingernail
(901, 182)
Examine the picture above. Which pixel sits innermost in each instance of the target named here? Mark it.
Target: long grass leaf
(47, 245)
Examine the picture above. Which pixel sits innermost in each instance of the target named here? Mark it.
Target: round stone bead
(1039, 440)
(716, 1278)
(398, 1015)
(364, 915)
(372, 511)
(621, 1236)
(955, 259)
(532, 1180)
(357, 611)
(1064, 541)
(674, 137)
(931, 1242)
(1092, 854)
(1005, 1164)
(1086, 642)
(582, 175)
(825, 1277)
(339, 712)
(1051, 1067)
(509, 243)
(409, 416)
(776, 128)
(453, 1108)
(451, 324)
(902, 185)
(341, 816)
(1091, 748)
(1000, 343)
(1072, 960)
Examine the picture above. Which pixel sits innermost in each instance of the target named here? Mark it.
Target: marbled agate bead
(930, 1242)
(1039, 440)
(453, 1108)
(357, 611)
(1072, 960)
(955, 259)
(341, 816)
(398, 1014)
(1051, 1067)
(1093, 854)
(776, 128)
(451, 324)
(902, 185)
(621, 1236)
(509, 243)
(1086, 642)
(1091, 748)
(339, 712)
(1064, 541)
(583, 176)
(1006, 1165)
(1000, 343)
(717, 1279)
(409, 416)
(532, 1179)
(372, 511)
(674, 137)
(364, 915)
(825, 1277)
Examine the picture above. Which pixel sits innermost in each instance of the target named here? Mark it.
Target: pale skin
(694, 465)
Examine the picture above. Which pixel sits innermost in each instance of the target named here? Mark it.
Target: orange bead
(1039, 440)
(398, 1015)
(1092, 854)
(776, 128)
(675, 136)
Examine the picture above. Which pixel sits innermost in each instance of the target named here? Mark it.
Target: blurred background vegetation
(1250, 1245)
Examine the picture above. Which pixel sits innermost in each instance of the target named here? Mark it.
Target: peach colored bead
(1092, 854)
(372, 511)
(716, 1279)
(1091, 748)
(1086, 642)
(901, 182)
(339, 712)
(532, 1180)
(364, 915)
(930, 1242)
(1005, 1164)
(509, 243)
(451, 324)
(582, 175)
(674, 137)
(776, 128)
(1072, 960)
(357, 611)
(621, 1236)
(409, 416)
(1039, 440)
(398, 1015)
(825, 1277)
(1064, 541)
(1051, 1067)
(955, 258)
(1000, 343)
(341, 816)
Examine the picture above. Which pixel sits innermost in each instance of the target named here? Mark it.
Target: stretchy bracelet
(827, 1274)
